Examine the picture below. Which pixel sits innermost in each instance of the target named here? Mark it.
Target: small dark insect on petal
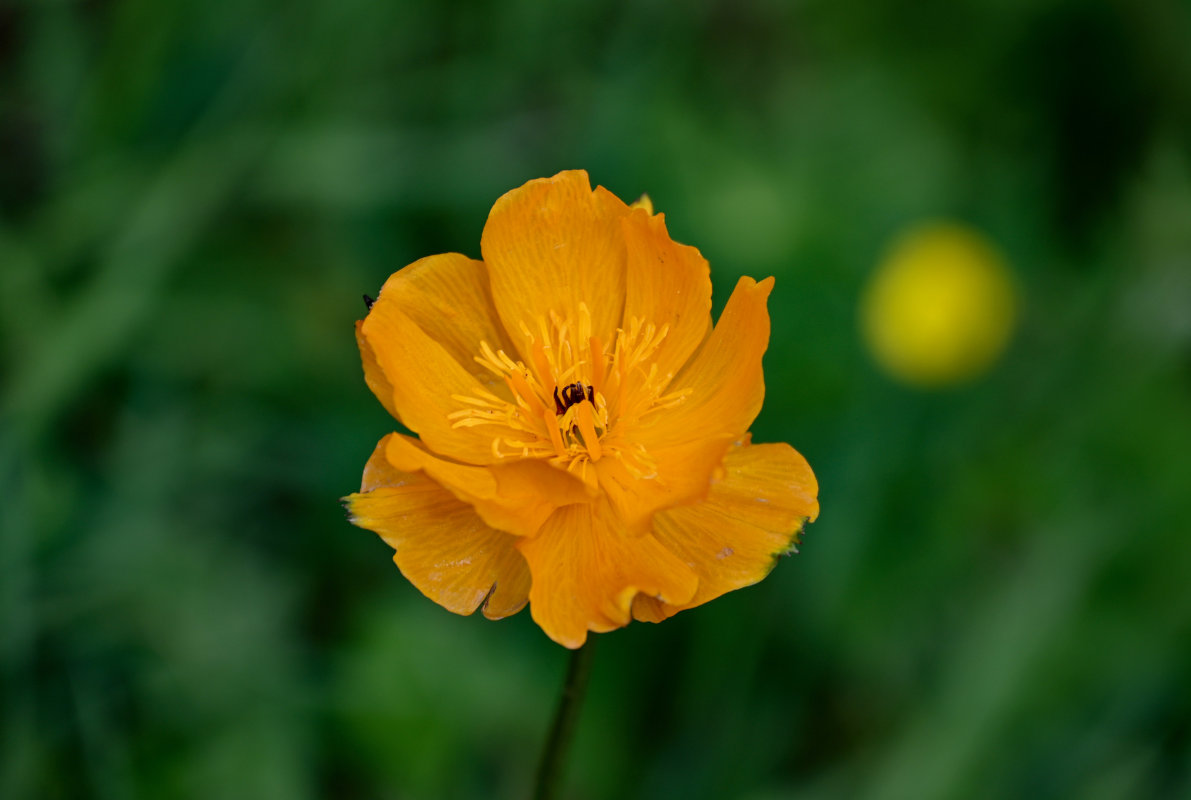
(368, 301)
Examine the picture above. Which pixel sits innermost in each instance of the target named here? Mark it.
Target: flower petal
(724, 379)
(586, 573)
(515, 497)
(667, 284)
(752, 515)
(448, 297)
(684, 473)
(424, 381)
(551, 245)
(442, 546)
(374, 376)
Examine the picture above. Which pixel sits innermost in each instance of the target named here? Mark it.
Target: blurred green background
(193, 197)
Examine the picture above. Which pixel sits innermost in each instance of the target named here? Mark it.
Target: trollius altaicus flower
(582, 430)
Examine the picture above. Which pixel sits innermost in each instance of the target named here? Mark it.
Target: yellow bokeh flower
(582, 430)
(940, 308)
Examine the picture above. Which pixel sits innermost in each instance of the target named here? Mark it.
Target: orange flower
(582, 430)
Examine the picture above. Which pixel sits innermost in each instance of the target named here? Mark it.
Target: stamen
(597, 362)
(472, 401)
(488, 359)
(523, 392)
(545, 371)
(586, 424)
(670, 400)
(555, 435)
(508, 363)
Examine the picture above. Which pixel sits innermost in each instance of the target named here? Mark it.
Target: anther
(572, 393)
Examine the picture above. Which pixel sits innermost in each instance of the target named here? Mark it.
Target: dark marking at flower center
(572, 393)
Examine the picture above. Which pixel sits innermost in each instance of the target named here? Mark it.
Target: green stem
(554, 754)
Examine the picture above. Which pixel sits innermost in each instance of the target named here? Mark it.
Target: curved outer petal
(374, 376)
(442, 546)
(551, 245)
(724, 378)
(667, 284)
(424, 379)
(448, 297)
(752, 515)
(586, 573)
(516, 497)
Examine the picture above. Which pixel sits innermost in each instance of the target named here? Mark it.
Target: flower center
(577, 401)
